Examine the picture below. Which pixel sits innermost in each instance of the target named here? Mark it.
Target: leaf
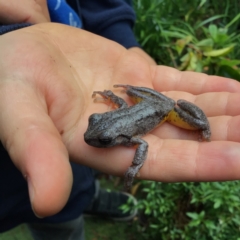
(233, 21)
(210, 224)
(146, 39)
(229, 62)
(166, 33)
(187, 16)
(154, 226)
(194, 216)
(205, 45)
(230, 209)
(234, 198)
(236, 220)
(195, 223)
(199, 66)
(193, 62)
(208, 42)
(227, 71)
(202, 3)
(219, 52)
(211, 19)
(147, 211)
(183, 31)
(185, 61)
(213, 30)
(217, 204)
(181, 43)
(202, 214)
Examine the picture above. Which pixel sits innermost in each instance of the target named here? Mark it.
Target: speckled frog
(126, 125)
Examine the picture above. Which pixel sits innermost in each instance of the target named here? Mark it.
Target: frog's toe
(129, 177)
(206, 134)
(121, 85)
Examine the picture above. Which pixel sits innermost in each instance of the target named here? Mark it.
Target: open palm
(48, 74)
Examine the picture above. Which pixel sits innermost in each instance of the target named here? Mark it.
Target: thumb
(35, 147)
(30, 11)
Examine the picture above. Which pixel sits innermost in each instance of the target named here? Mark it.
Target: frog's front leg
(187, 115)
(137, 94)
(109, 95)
(138, 160)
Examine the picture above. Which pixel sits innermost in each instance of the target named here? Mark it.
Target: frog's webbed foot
(139, 158)
(194, 117)
(139, 93)
(109, 95)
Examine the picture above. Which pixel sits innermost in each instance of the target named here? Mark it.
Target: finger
(35, 147)
(223, 128)
(213, 104)
(25, 11)
(167, 79)
(177, 160)
(173, 160)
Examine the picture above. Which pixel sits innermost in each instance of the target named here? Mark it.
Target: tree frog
(126, 125)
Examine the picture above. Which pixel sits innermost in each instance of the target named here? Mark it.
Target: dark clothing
(15, 206)
(112, 19)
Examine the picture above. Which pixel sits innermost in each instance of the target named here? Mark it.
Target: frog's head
(102, 132)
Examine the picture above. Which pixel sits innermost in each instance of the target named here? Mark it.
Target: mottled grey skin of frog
(126, 125)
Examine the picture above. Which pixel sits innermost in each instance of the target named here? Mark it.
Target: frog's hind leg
(137, 94)
(192, 117)
(109, 95)
(139, 158)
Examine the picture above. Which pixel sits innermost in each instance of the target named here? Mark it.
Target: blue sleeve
(113, 19)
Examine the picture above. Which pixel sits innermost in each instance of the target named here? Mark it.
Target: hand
(24, 11)
(46, 83)
(143, 54)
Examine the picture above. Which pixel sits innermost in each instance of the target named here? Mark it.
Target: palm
(170, 158)
(46, 101)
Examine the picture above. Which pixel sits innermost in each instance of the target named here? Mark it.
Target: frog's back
(138, 119)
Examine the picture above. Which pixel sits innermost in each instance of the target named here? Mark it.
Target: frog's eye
(105, 140)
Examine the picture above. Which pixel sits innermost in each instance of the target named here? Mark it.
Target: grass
(95, 229)
(99, 229)
(20, 232)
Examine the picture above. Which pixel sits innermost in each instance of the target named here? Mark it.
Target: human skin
(24, 11)
(46, 83)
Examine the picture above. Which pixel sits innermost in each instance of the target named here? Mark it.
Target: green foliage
(190, 210)
(199, 36)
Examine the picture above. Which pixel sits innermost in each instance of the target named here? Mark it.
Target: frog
(126, 125)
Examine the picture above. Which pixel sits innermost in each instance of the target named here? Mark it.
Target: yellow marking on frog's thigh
(136, 99)
(176, 120)
(162, 121)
